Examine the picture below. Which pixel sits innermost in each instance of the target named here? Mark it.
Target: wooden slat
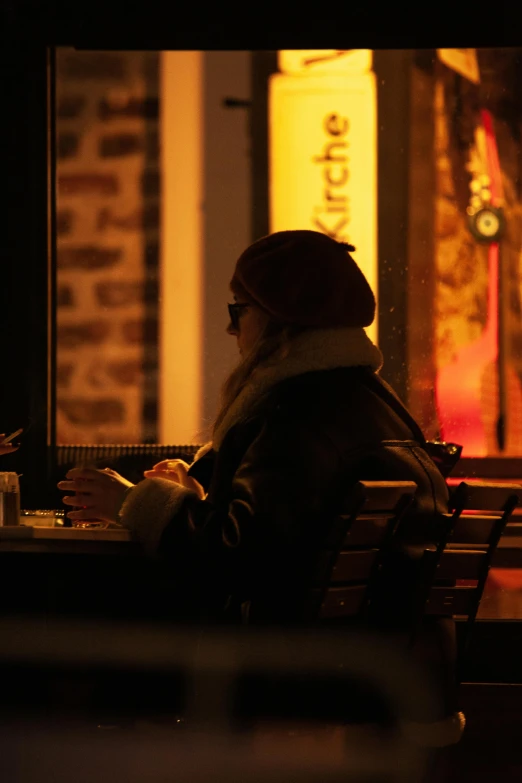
(450, 600)
(355, 566)
(473, 529)
(384, 496)
(367, 530)
(460, 564)
(484, 496)
(343, 601)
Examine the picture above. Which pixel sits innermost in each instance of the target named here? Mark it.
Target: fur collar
(320, 349)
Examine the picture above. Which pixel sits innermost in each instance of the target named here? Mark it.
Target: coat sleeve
(279, 497)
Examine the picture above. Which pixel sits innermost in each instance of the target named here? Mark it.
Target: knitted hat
(305, 278)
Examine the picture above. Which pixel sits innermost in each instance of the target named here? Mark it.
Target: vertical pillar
(24, 312)
(421, 246)
(392, 70)
(182, 231)
(264, 64)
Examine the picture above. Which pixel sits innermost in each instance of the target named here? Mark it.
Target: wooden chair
(453, 577)
(352, 555)
(461, 561)
(339, 597)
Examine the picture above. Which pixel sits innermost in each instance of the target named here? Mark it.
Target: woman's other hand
(176, 470)
(6, 448)
(98, 494)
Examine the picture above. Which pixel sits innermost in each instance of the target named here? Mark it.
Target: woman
(300, 422)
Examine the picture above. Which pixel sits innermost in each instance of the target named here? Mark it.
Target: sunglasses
(234, 311)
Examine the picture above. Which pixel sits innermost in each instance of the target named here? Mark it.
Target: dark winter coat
(280, 472)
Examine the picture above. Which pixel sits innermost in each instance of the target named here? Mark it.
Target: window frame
(28, 394)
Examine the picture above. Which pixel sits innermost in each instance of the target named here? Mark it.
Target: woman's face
(251, 323)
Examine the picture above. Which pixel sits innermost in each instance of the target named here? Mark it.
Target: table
(103, 573)
(25, 538)
(81, 572)
(98, 549)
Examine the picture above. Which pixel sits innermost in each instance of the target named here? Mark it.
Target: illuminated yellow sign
(323, 160)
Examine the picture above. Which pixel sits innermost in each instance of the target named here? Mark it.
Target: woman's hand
(99, 494)
(6, 448)
(176, 470)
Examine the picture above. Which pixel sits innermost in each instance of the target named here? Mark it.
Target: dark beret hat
(305, 278)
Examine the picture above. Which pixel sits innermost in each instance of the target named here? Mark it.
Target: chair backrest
(139, 455)
(471, 531)
(353, 551)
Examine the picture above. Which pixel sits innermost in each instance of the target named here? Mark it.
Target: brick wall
(107, 225)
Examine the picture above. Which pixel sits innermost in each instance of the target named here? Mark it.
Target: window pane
(153, 208)
(154, 205)
(477, 295)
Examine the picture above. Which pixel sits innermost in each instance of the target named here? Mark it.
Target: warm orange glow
(459, 385)
(467, 389)
(181, 249)
(323, 153)
(464, 61)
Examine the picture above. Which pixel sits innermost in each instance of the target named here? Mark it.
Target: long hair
(271, 347)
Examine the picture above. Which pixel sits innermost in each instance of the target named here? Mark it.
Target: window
(130, 257)
(153, 208)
